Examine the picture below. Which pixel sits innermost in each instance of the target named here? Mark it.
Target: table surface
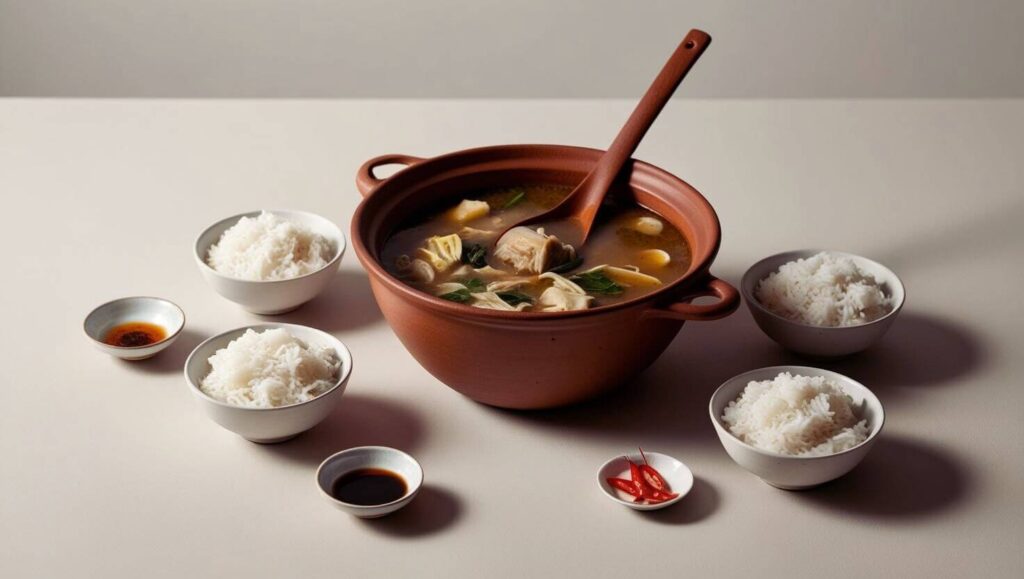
(110, 470)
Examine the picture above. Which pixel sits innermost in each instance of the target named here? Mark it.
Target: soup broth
(630, 252)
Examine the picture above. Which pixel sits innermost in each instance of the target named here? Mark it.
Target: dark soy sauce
(369, 486)
(135, 334)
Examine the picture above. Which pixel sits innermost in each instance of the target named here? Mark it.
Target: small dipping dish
(675, 473)
(153, 311)
(376, 458)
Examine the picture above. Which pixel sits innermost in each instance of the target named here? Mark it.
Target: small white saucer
(159, 311)
(360, 457)
(675, 473)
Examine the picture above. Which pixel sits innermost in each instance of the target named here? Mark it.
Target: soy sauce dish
(134, 328)
(369, 481)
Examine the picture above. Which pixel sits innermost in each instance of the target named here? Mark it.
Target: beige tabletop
(108, 469)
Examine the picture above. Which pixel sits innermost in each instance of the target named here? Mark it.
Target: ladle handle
(366, 181)
(655, 99)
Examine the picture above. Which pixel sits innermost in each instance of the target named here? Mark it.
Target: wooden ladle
(580, 207)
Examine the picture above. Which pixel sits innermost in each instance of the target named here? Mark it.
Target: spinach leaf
(597, 282)
(474, 285)
(474, 254)
(516, 199)
(513, 297)
(567, 266)
(460, 296)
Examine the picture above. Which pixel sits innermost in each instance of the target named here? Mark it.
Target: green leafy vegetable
(513, 298)
(597, 282)
(474, 254)
(516, 199)
(567, 266)
(474, 285)
(459, 296)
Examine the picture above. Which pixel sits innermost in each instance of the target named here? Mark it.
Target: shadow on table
(701, 502)
(357, 421)
(433, 510)
(919, 350)
(668, 403)
(170, 360)
(346, 304)
(900, 478)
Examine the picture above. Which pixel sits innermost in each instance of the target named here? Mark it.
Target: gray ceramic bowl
(819, 341)
(277, 296)
(158, 311)
(794, 472)
(267, 425)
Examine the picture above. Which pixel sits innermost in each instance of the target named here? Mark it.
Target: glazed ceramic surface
(675, 473)
(271, 297)
(791, 472)
(267, 425)
(816, 340)
(382, 457)
(157, 311)
(533, 360)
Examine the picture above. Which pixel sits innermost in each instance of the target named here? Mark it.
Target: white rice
(269, 369)
(795, 415)
(824, 290)
(267, 248)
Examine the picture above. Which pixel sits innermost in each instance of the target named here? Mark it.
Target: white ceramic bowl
(825, 342)
(382, 457)
(675, 473)
(157, 311)
(267, 425)
(793, 472)
(271, 297)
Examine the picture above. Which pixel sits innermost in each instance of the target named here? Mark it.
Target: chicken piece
(491, 301)
(442, 252)
(474, 234)
(563, 295)
(529, 251)
(414, 270)
(508, 284)
(468, 210)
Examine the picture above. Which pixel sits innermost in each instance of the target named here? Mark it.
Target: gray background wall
(507, 48)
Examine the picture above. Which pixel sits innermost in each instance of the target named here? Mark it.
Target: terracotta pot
(545, 359)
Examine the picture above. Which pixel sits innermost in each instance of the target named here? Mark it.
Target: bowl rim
(170, 336)
(643, 507)
(340, 241)
(669, 292)
(747, 285)
(409, 492)
(875, 429)
(344, 354)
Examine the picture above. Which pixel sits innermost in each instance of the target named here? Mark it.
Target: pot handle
(366, 181)
(728, 301)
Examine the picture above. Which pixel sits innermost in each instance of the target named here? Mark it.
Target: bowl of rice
(796, 427)
(822, 303)
(269, 382)
(270, 262)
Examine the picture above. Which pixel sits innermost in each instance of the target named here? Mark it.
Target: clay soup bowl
(543, 359)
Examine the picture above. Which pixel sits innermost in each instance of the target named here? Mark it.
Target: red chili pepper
(627, 486)
(635, 473)
(661, 496)
(651, 476)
